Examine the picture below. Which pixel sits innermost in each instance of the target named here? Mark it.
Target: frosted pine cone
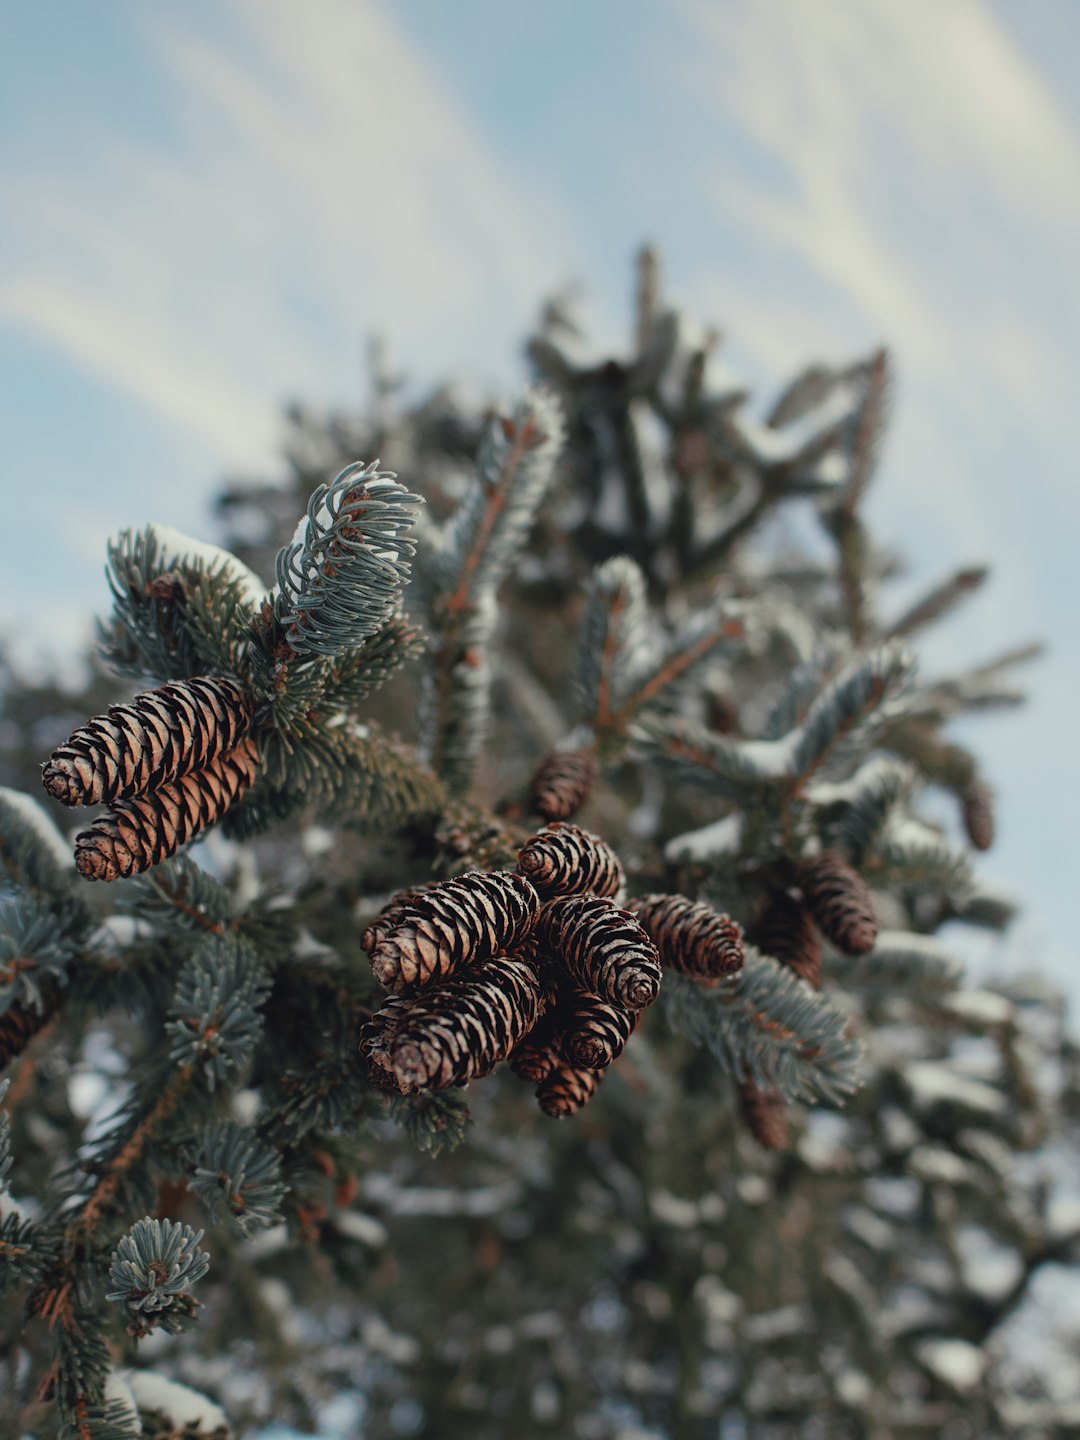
(566, 1089)
(562, 783)
(151, 827)
(764, 1114)
(839, 900)
(161, 735)
(563, 860)
(604, 949)
(456, 1030)
(693, 939)
(786, 932)
(978, 811)
(595, 1031)
(454, 922)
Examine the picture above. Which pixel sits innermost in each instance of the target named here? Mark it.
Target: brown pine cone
(540, 1052)
(839, 900)
(20, 1023)
(595, 1031)
(455, 1030)
(693, 939)
(161, 735)
(566, 1089)
(765, 1115)
(148, 829)
(562, 783)
(455, 922)
(603, 948)
(563, 860)
(389, 915)
(785, 931)
(978, 811)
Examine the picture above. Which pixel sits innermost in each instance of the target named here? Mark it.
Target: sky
(207, 206)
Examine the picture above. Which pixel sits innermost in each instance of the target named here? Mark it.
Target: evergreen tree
(544, 783)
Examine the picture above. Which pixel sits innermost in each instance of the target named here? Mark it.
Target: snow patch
(180, 1405)
(955, 1362)
(980, 1007)
(185, 550)
(29, 811)
(720, 837)
(934, 1084)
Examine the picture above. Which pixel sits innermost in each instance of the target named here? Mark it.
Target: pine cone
(562, 783)
(161, 735)
(786, 932)
(978, 810)
(540, 1052)
(693, 939)
(151, 827)
(391, 912)
(456, 1030)
(604, 949)
(20, 1023)
(839, 900)
(595, 1031)
(454, 922)
(566, 1089)
(563, 860)
(765, 1115)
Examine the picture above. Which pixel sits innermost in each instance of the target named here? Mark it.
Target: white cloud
(324, 184)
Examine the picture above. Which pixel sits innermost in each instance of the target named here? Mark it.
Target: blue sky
(209, 204)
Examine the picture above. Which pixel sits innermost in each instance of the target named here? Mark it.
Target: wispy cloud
(324, 184)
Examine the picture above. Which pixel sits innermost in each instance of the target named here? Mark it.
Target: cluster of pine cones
(169, 765)
(540, 966)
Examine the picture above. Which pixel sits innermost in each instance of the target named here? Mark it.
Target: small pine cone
(595, 1031)
(150, 828)
(563, 860)
(456, 1030)
(454, 922)
(562, 783)
(564, 1090)
(839, 900)
(765, 1115)
(540, 1052)
(978, 810)
(604, 949)
(693, 939)
(161, 735)
(785, 931)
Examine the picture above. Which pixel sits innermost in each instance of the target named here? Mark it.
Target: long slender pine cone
(455, 1030)
(978, 810)
(144, 831)
(840, 901)
(595, 1031)
(603, 948)
(693, 939)
(565, 860)
(161, 735)
(540, 1052)
(455, 922)
(764, 1113)
(785, 931)
(562, 783)
(565, 1089)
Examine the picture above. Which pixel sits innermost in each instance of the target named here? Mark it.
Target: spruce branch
(236, 1170)
(435, 1120)
(855, 822)
(614, 651)
(901, 962)
(153, 1270)
(34, 955)
(340, 579)
(842, 715)
(768, 1025)
(214, 1020)
(33, 853)
(939, 602)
